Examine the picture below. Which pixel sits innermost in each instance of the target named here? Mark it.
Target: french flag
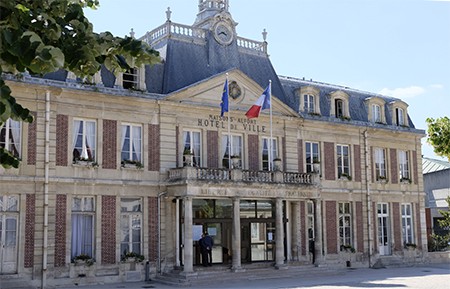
(262, 103)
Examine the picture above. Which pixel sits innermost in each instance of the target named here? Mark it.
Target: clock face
(223, 33)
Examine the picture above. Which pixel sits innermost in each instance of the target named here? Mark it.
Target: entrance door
(258, 242)
(384, 242)
(8, 244)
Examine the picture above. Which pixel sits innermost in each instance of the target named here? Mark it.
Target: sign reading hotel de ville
(236, 123)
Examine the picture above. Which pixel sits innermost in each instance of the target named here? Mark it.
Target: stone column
(318, 246)
(236, 234)
(295, 226)
(187, 238)
(279, 254)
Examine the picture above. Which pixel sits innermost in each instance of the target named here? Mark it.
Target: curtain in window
(136, 143)
(125, 150)
(90, 140)
(82, 235)
(76, 131)
(15, 143)
(196, 147)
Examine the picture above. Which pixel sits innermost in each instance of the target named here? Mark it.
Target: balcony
(186, 174)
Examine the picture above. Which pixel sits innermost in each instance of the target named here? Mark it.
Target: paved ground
(432, 276)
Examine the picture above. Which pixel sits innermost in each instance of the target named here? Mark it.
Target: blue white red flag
(224, 103)
(262, 103)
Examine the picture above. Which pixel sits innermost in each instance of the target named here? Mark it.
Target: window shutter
(213, 149)
(253, 152)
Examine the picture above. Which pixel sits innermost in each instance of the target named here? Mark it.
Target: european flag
(224, 104)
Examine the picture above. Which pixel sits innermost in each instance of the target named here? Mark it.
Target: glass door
(384, 242)
(258, 242)
(8, 244)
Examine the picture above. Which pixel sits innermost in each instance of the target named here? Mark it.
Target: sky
(399, 48)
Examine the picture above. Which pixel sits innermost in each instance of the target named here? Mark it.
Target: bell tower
(208, 10)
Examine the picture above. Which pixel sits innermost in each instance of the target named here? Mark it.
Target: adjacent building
(141, 164)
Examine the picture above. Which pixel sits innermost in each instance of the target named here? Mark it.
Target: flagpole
(229, 130)
(270, 141)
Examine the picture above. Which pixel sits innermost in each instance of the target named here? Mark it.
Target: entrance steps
(223, 273)
(389, 262)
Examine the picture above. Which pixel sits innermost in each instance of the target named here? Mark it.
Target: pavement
(423, 276)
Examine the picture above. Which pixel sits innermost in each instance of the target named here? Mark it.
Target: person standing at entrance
(206, 244)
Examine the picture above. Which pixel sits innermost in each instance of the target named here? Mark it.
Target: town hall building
(120, 178)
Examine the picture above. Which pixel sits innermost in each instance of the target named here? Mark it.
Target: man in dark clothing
(206, 244)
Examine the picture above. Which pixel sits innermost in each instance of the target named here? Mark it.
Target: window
(83, 212)
(84, 140)
(339, 106)
(10, 137)
(345, 225)
(269, 145)
(130, 79)
(399, 114)
(192, 145)
(380, 164)
(376, 113)
(308, 103)
(231, 148)
(312, 156)
(343, 161)
(407, 225)
(131, 144)
(403, 161)
(130, 225)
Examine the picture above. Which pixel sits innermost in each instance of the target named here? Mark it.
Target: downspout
(159, 230)
(46, 183)
(369, 199)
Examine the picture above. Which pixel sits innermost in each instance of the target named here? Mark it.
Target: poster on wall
(197, 231)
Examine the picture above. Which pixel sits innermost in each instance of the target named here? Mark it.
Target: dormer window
(375, 109)
(399, 113)
(308, 103)
(339, 105)
(309, 100)
(133, 78)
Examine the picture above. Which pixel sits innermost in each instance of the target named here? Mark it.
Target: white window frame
(343, 160)
(133, 82)
(133, 153)
(131, 221)
(403, 163)
(376, 113)
(85, 152)
(265, 152)
(407, 224)
(83, 227)
(192, 142)
(345, 225)
(400, 116)
(11, 137)
(312, 156)
(236, 144)
(380, 164)
(309, 103)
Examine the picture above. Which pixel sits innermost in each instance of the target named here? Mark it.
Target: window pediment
(399, 113)
(309, 100)
(376, 109)
(339, 102)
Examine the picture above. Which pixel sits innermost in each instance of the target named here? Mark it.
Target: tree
(42, 36)
(439, 135)
(441, 240)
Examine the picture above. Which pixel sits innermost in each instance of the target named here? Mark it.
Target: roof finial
(132, 33)
(168, 13)
(264, 34)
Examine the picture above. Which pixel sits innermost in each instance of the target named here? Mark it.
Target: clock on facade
(223, 33)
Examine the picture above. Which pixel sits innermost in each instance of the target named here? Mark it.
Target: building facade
(139, 165)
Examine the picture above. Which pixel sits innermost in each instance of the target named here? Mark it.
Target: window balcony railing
(238, 175)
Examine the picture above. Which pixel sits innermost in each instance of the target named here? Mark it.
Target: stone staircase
(223, 273)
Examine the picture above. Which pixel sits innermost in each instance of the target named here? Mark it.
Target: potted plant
(410, 246)
(83, 259)
(188, 157)
(236, 161)
(132, 257)
(316, 165)
(132, 164)
(277, 164)
(348, 248)
(345, 176)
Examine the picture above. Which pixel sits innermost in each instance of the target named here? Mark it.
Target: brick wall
(300, 155)
(62, 139)
(428, 221)
(253, 151)
(30, 221)
(330, 166)
(418, 226)
(303, 228)
(394, 166)
(60, 230)
(154, 145)
(32, 140)
(357, 161)
(109, 144)
(331, 223)
(153, 236)
(108, 230)
(397, 227)
(359, 227)
(212, 139)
